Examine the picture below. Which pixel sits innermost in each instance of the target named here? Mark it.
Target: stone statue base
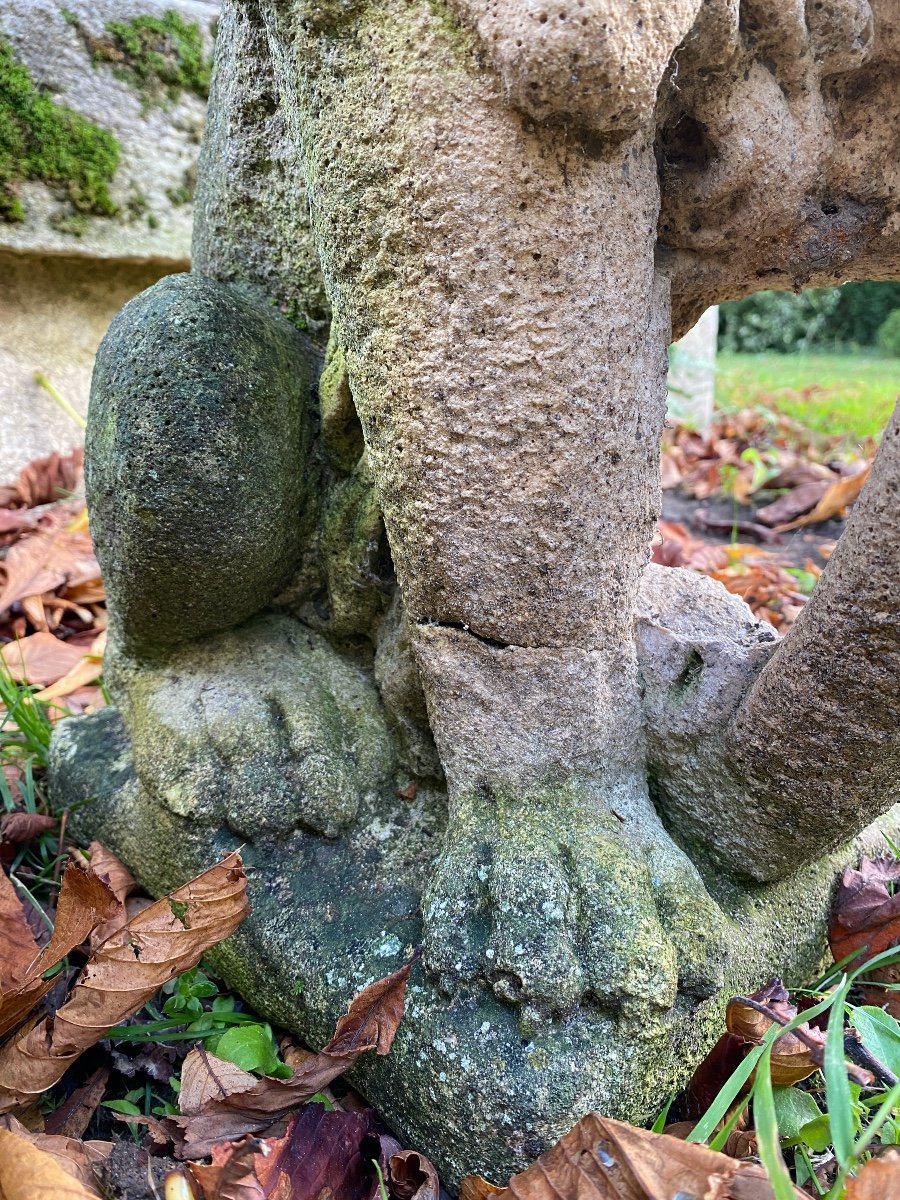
(469, 1081)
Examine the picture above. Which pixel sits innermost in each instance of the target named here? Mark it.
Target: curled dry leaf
(30, 1173)
(601, 1159)
(833, 503)
(413, 1177)
(74, 1115)
(40, 658)
(865, 920)
(76, 1158)
(121, 975)
(795, 1055)
(474, 1187)
(19, 949)
(322, 1154)
(369, 1024)
(20, 826)
(121, 882)
(84, 901)
(44, 480)
(877, 1179)
(46, 560)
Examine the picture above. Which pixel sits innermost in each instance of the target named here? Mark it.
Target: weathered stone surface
(469, 1081)
(501, 290)
(200, 427)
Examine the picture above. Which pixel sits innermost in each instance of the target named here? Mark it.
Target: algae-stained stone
(468, 1081)
(198, 437)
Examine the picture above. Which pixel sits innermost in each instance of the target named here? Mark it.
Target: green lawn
(829, 393)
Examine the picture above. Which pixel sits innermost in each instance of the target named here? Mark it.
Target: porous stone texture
(591, 779)
(471, 1081)
(205, 398)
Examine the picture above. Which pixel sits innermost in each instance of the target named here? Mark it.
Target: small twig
(856, 1051)
(856, 1074)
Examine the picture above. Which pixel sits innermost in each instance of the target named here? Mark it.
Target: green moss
(158, 56)
(41, 139)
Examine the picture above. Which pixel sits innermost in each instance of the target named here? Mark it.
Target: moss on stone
(158, 56)
(41, 139)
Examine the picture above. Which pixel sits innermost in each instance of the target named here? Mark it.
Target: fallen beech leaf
(204, 1076)
(86, 670)
(40, 658)
(45, 561)
(21, 826)
(121, 975)
(28, 1173)
(839, 495)
(19, 949)
(792, 1059)
(602, 1159)
(877, 1179)
(74, 1115)
(84, 901)
(44, 480)
(792, 504)
(322, 1154)
(474, 1187)
(121, 883)
(369, 1024)
(413, 1177)
(865, 917)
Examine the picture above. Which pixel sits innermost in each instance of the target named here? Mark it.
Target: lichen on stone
(44, 140)
(158, 56)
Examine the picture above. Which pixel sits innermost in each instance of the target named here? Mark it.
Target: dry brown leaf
(877, 1179)
(21, 826)
(74, 1115)
(87, 670)
(45, 561)
(204, 1077)
(838, 497)
(121, 882)
(322, 1154)
(865, 918)
(369, 1024)
(413, 1177)
(474, 1187)
(44, 480)
(793, 503)
(84, 901)
(601, 1159)
(40, 658)
(121, 975)
(18, 949)
(792, 1059)
(76, 1157)
(28, 1173)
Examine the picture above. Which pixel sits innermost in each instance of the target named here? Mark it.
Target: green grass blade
(725, 1132)
(838, 1100)
(879, 1117)
(706, 1126)
(767, 1130)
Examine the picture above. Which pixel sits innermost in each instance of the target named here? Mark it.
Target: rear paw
(263, 727)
